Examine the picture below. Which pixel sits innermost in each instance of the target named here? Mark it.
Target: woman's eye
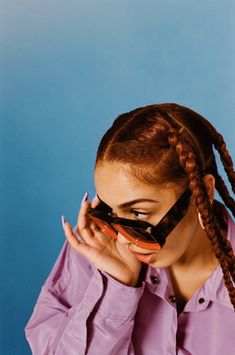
(139, 215)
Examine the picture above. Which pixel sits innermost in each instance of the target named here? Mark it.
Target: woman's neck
(198, 254)
(192, 270)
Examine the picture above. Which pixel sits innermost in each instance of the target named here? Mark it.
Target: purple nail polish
(85, 198)
(63, 220)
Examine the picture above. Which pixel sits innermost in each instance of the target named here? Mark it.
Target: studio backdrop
(68, 68)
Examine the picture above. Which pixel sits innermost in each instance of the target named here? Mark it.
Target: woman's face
(116, 188)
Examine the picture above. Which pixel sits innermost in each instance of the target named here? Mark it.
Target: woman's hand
(104, 252)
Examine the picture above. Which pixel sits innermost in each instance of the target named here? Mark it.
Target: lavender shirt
(83, 311)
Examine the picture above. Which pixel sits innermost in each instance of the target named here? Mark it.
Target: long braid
(225, 158)
(220, 146)
(217, 141)
(187, 159)
(224, 193)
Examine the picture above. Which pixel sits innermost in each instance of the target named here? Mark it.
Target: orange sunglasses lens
(132, 235)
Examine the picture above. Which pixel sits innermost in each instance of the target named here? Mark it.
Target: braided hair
(169, 142)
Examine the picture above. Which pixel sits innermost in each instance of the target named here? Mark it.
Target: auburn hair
(171, 143)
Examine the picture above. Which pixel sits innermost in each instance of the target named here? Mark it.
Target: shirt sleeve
(82, 311)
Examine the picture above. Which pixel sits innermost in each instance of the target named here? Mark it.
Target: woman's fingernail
(63, 220)
(85, 198)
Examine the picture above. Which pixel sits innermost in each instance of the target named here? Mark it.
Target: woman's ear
(209, 180)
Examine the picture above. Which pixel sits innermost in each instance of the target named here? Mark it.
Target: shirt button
(154, 279)
(201, 300)
(172, 299)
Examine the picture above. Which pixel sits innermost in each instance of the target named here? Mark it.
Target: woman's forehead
(114, 185)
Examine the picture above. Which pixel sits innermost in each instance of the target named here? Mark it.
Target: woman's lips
(145, 258)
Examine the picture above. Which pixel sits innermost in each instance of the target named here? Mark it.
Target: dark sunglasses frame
(141, 233)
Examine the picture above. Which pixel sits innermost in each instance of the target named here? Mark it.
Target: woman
(149, 268)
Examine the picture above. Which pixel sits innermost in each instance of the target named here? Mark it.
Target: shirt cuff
(118, 300)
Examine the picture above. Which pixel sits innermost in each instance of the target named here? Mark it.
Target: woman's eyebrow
(132, 202)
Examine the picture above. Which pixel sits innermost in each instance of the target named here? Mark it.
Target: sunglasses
(141, 233)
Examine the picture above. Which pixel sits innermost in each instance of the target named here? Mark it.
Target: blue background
(68, 68)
